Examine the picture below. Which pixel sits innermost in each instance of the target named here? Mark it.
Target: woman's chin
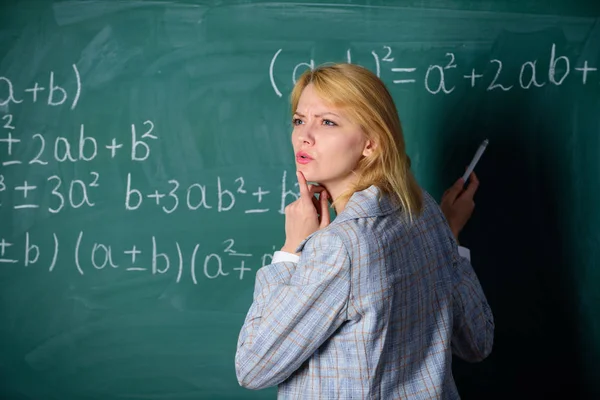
(315, 181)
(309, 177)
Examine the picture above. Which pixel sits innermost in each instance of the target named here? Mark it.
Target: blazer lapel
(364, 204)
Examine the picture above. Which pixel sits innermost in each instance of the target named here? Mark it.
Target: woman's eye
(328, 122)
(296, 121)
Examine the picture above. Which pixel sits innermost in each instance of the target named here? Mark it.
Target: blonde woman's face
(327, 144)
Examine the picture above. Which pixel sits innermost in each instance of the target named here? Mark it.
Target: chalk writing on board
(52, 94)
(74, 193)
(25, 189)
(444, 78)
(60, 149)
(197, 196)
(44, 191)
(217, 194)
(93, 256)
(2, 185)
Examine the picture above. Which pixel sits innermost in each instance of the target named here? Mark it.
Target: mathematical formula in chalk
(447, 77)
(61, 194)
(213, 194)
(50, 92)
(150, 256)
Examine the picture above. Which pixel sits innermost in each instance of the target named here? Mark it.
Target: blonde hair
(367, 102)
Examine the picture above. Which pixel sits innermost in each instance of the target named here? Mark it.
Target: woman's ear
(369, 148)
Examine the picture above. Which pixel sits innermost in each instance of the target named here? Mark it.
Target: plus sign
(260, 193)
(10, 141)
(473, 77)
(134, 251)
(585, 70)
(4, 244)
(34, 89)
(113, 148)
(157, 196)
(242, 269)
(25, 188)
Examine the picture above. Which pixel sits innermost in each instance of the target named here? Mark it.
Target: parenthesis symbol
(271, 73)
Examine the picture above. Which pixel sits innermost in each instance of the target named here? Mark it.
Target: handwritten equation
(219, 195)
(197, 196)
(52, 94)
(160, 258)
(435, 78)
(76, 192)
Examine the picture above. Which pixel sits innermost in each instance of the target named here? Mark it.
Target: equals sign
(404, 70)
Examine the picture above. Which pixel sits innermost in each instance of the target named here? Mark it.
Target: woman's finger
(316, 204)
(303, 186)
(315, 189)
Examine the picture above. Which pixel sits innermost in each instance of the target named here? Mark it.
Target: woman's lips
(303, 158)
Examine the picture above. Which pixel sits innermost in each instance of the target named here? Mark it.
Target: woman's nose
(307, 134)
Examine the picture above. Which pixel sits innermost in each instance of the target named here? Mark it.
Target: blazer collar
(370, 202)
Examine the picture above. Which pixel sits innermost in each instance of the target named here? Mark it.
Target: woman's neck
(338, 204)
(338, 189)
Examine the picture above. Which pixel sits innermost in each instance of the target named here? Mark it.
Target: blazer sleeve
(296, 308)
(473, 322)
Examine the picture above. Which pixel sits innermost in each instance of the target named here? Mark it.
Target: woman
(373, 304)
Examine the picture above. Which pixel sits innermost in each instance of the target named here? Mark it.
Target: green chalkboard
(145, 161)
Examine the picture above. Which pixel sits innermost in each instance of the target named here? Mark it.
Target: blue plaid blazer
(373, 309)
